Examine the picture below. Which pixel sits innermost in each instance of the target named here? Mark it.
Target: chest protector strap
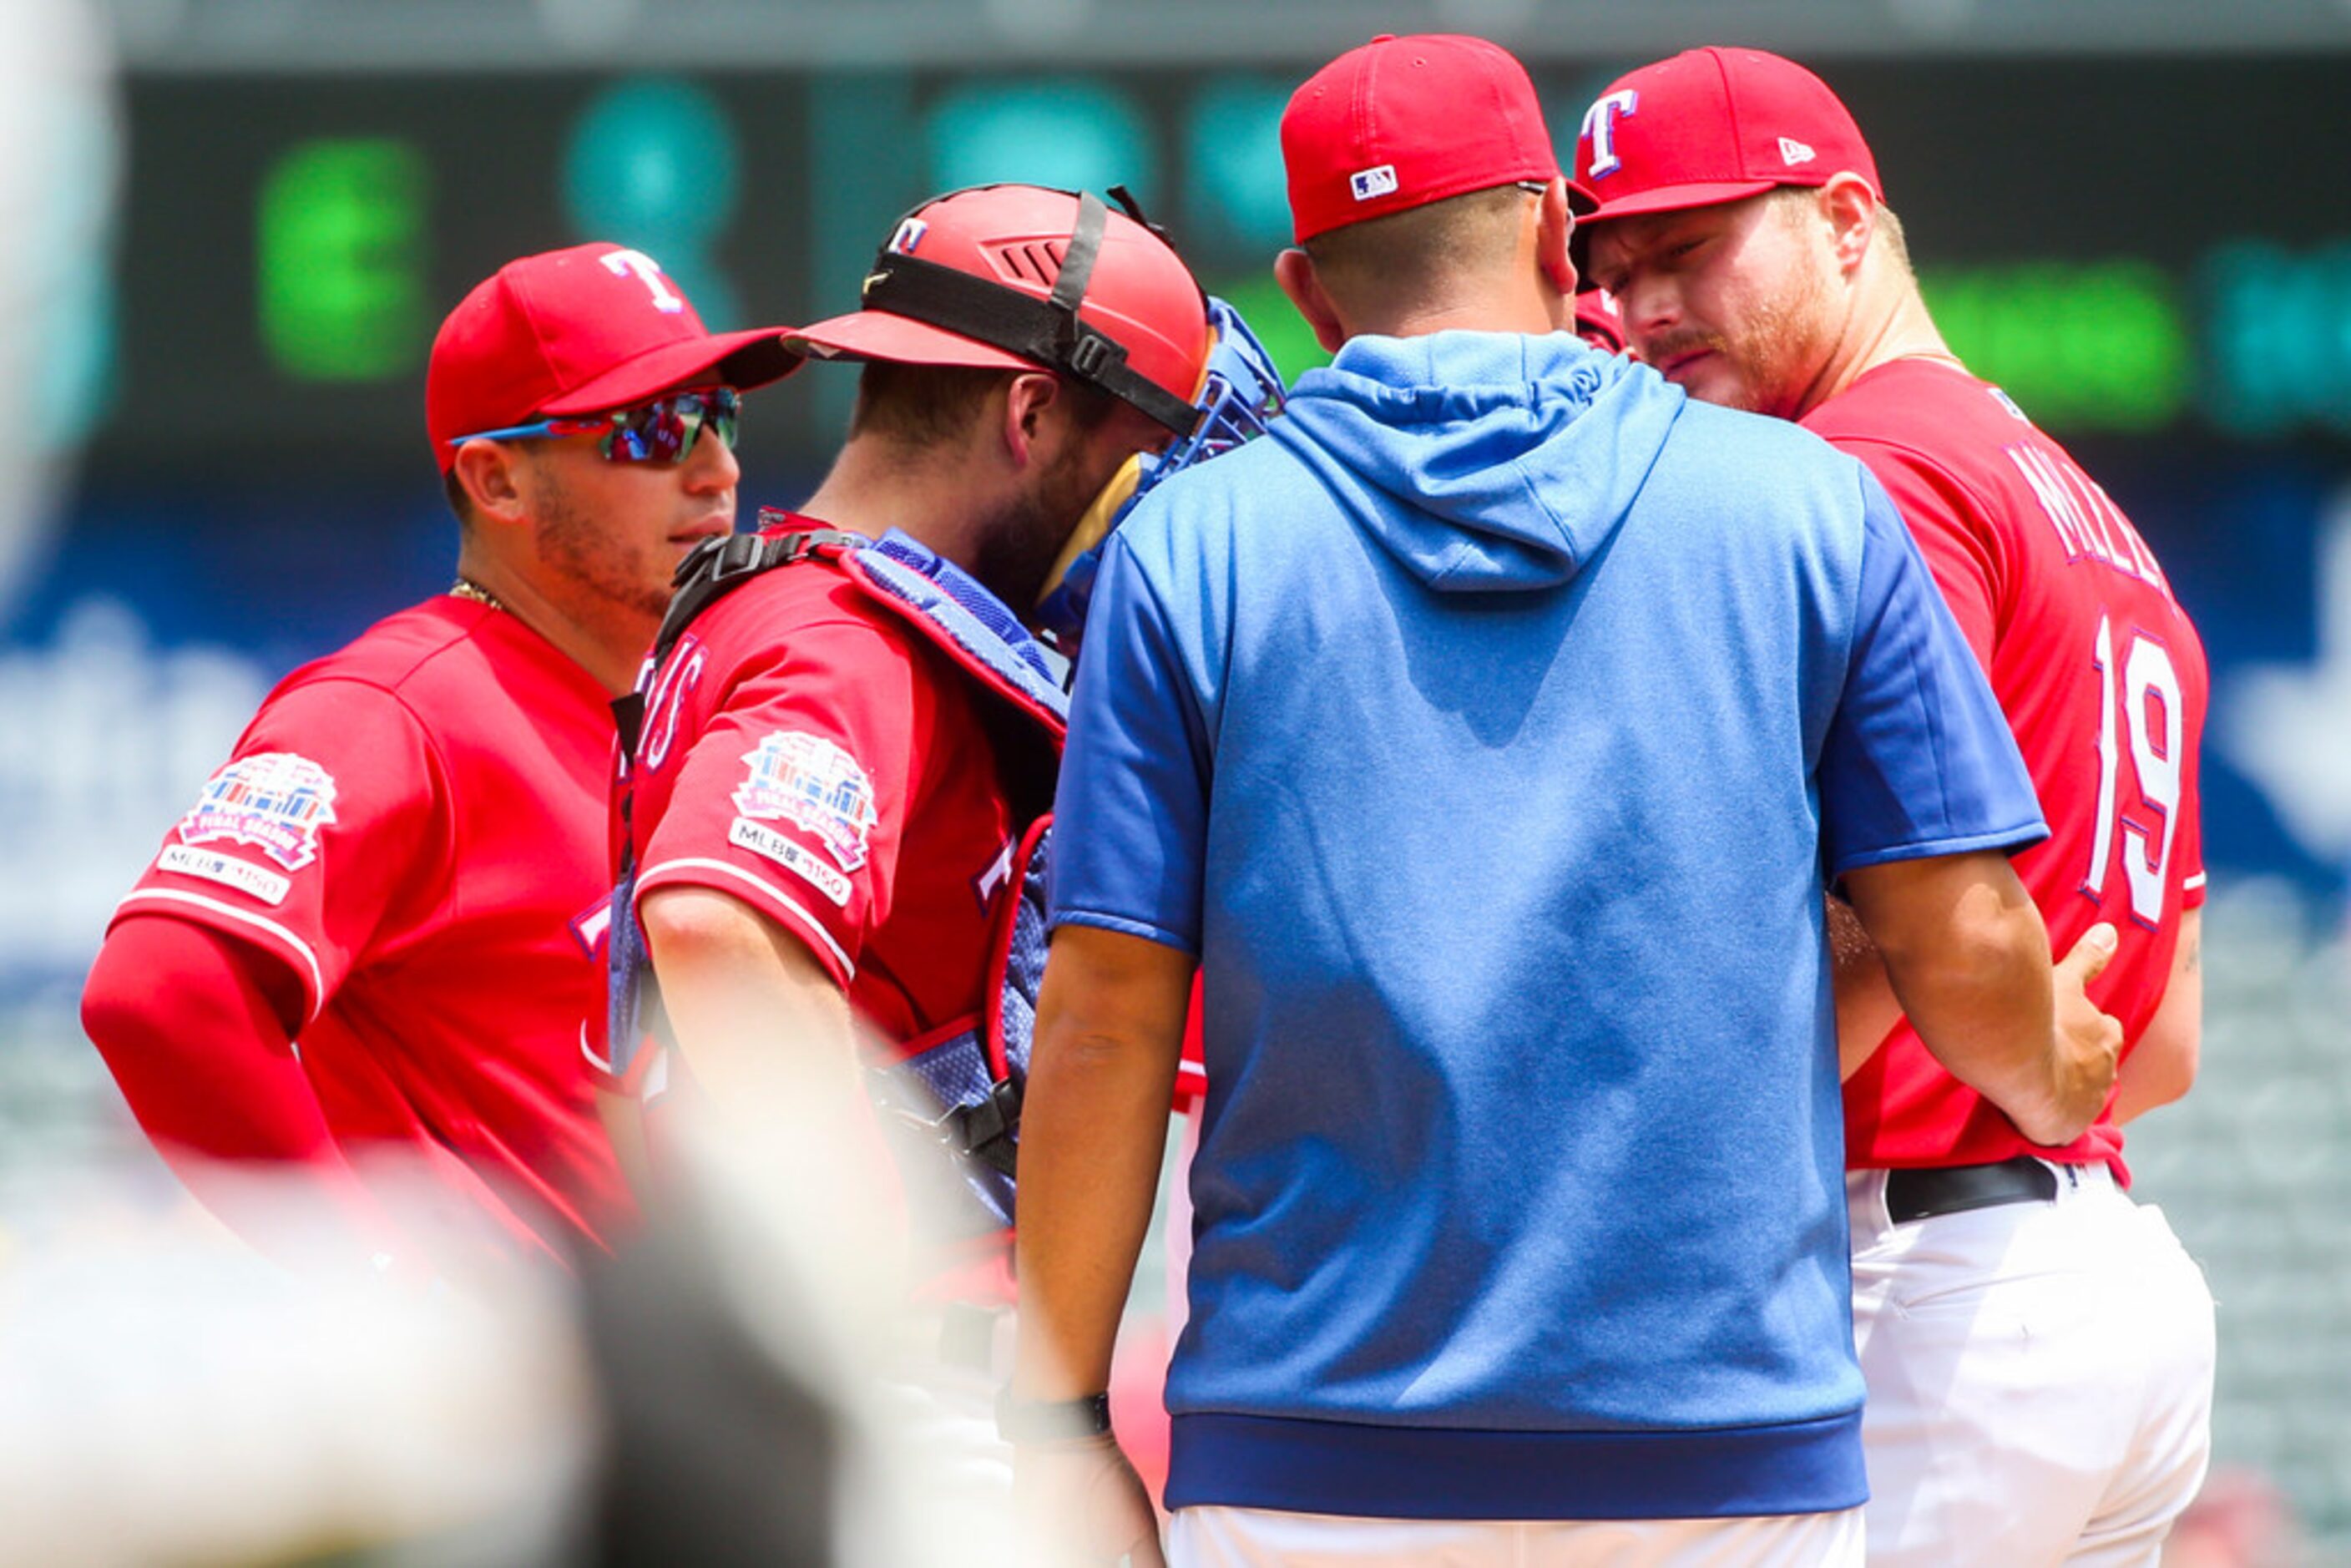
(711, 571)
(961, 1084)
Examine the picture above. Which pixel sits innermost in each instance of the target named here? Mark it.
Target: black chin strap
(1047, 331)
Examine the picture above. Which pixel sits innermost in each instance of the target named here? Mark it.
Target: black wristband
(1051, 1420)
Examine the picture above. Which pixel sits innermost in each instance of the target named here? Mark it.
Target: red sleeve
(194, 1026)
(2189, 848)
(1953, 529)
(189, 1026)
(2192, 884)
(1191, 1066)
(794, 794)
(328, 813)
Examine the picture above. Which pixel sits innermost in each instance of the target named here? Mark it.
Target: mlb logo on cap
(1370, 182)
(1715, 125)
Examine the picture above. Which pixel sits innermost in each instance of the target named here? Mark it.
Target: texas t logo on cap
(622, 263)
(1599, 130)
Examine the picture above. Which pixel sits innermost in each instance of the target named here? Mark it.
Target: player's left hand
(1082, 1505)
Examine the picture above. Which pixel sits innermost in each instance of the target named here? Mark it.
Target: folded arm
(197, 1028)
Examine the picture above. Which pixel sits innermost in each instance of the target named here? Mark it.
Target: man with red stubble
(2011, 1305)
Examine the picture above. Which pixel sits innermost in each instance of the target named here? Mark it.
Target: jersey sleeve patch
(274, 800)
(254, 881)
(808, 781)
(810, 867)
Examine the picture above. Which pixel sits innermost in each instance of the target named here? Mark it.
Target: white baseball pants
(1259, 1537)
(2040, 1378)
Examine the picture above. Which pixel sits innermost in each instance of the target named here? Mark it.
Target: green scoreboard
(2129, 246)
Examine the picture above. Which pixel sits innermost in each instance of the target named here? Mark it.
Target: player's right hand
(1081, 1505)
(2088, 1046)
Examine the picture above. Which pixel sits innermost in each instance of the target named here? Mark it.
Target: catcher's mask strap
(1084, 249)
(1134, 209)
(1047, 331)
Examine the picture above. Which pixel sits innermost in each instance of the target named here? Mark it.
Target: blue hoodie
(1489, 732)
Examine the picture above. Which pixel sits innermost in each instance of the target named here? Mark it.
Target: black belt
(1953, 1189)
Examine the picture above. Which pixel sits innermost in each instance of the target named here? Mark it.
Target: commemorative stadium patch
(807, 780)
(274, 800)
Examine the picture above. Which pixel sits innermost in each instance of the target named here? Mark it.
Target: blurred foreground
(168, 1397)
(740, 1384)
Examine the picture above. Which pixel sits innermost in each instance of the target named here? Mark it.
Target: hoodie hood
(1467, 454)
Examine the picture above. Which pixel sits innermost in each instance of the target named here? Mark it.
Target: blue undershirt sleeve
(1918, 759)
(1131, 817)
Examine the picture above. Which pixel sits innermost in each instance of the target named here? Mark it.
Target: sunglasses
(662, 431)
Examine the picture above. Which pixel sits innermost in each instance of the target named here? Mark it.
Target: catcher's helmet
(1020, 277)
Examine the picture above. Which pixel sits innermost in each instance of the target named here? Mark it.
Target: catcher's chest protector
(960, 1084)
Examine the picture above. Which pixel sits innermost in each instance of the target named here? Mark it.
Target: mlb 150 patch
(229, 871)
(804, 863)
(274, 800)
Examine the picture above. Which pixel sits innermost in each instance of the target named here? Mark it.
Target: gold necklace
(466, 588)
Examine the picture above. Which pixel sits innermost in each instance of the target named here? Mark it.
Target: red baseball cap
(577, 331)
(1401, 122)
(1715, 125)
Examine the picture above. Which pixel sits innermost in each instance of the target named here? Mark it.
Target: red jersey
(2102, 680)
(413, 826)
(812, 753)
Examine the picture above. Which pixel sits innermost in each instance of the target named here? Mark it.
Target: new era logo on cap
(1368, 183)
(1792, 151)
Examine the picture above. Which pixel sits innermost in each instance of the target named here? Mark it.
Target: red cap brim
(1673, 198)
(743, 360)
(881, 335)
